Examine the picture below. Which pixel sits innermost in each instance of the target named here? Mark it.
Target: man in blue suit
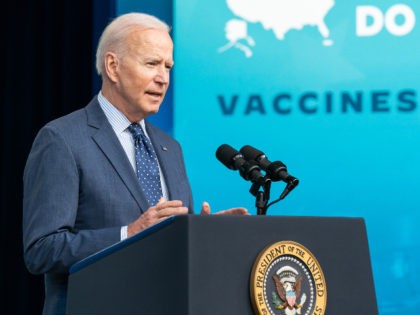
(81, 192)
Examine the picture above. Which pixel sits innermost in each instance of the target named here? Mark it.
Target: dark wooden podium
(202, 265)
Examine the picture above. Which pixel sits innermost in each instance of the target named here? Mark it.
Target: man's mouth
(154, 93)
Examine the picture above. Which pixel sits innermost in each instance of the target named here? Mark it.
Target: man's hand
(205, 210)
(155, 214)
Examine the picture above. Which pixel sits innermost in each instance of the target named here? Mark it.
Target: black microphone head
(250, 153)
(277, 171)
(227, 155)
(234, 160)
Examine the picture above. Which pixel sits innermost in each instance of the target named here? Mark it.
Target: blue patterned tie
(146, 165)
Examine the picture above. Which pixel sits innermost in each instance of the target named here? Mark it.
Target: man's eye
(151, 63)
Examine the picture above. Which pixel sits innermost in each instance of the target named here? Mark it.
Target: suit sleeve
(190, 203)
(51, 240)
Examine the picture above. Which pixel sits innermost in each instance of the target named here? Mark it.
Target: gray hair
(114, 35)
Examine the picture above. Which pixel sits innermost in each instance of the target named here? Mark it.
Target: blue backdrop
(330, 88)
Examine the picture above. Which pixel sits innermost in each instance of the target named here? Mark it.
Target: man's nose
(162, 76)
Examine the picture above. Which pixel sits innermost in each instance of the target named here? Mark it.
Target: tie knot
(136, 131)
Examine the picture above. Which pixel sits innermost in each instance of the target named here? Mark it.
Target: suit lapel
(107, 141)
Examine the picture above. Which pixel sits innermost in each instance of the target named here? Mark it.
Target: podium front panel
(202, 265)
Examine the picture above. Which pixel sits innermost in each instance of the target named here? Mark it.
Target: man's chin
(153, 110)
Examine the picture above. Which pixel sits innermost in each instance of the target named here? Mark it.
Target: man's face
(143, 73)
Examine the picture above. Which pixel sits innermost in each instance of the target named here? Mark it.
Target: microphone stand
(261, 196)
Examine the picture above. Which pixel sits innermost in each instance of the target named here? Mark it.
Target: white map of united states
(278, 16)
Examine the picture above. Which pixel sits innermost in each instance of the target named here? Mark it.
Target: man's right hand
(155, 214)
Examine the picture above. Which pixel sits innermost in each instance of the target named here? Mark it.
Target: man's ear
(111, 66)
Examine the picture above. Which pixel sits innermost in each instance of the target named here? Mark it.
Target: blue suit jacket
(80, 188)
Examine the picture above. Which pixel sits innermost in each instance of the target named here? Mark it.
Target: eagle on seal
(289, 291)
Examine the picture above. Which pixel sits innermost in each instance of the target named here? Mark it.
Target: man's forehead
(150, 35)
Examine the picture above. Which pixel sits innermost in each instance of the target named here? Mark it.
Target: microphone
(234, 160)
(276, 171)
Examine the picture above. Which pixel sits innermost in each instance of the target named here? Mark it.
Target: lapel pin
(164, 148)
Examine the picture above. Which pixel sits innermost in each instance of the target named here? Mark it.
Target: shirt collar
(116, 118)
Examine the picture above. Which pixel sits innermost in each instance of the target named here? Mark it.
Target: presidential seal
(287, 279)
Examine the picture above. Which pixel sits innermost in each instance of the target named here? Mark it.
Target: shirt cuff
(124, 232)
